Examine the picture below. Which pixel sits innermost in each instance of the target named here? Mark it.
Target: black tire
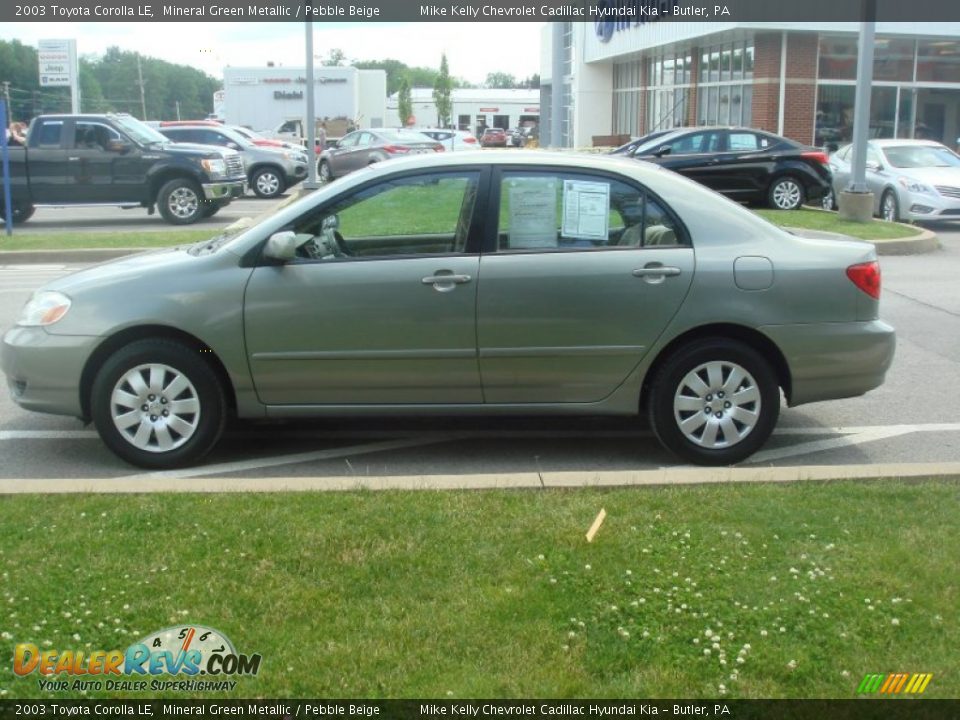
(672, 402)
(212, 208)
(829, 201)
(786, 193)
(323, 172)
(140, 443)
(268, 182)
(891, 213)
(21, 211)
(180, 202)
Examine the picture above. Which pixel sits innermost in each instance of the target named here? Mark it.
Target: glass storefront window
(737, 73)
(835, 104)
(893, 59)
(748, 63)
(938, 61)
(838, 58)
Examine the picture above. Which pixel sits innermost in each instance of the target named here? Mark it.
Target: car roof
(887, 142)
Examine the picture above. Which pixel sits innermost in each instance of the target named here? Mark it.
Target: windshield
(654, 143)
(921, 156)
(143, 134)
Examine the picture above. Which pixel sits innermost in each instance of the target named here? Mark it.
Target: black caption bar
(863, 709)
(610, 11)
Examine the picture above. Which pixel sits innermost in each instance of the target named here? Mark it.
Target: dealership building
(472, 108)
(794, 79)
(262, 98)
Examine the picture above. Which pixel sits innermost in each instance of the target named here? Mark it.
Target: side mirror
(233, 146)
(281, 246)
(874, 165)
(118, 146)
(661, 151)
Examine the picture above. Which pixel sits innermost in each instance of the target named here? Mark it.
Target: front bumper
(834, 360)
(924, 206)
(295, 174)
(225, 189)
(43, 370)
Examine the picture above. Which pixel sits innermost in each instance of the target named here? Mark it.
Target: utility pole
(178, 109)
(8, 114)
(143, 97)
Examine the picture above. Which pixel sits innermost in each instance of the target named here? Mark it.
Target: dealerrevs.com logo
(895, 683)
(185, 650)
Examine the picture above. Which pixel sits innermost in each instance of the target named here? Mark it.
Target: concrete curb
(153, 483)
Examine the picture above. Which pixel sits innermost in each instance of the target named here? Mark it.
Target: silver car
(909, 179)
(464, 284)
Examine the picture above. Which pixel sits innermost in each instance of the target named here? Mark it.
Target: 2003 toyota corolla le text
(464, 284)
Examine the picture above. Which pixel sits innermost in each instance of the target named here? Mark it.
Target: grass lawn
(831, 222)
(109, 239)
(736, 591)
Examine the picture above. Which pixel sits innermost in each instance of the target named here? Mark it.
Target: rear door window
(49, 134)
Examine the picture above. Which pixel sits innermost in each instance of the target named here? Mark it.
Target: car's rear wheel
(829, 201)
(714, 402)
(180, 202)
(324, 171)
(19, 211)
(158, 404)
(786, 193)
(267, 183)
(889, 208)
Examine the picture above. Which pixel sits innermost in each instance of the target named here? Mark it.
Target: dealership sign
(57, 61)
(617, 15)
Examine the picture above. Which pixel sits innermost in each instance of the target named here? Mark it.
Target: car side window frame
(475, 229)
(65, 133)
(492, 232)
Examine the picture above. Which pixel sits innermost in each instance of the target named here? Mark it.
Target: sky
(473, 49)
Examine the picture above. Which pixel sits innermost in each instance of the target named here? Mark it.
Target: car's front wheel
(889, 209)
(786, 193)
(714, 402)
(180, 202)
(158, 404)
(20, 212)
(267, 183)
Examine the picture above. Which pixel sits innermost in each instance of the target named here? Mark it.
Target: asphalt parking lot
(908, 426)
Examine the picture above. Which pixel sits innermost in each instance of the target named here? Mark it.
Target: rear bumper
(834, 360)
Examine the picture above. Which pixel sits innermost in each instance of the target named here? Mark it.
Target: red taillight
(396, 149)
(469, 139)
(817, 156)
(866, 276)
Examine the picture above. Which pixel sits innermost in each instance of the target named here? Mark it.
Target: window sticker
(533, 212)
(586, 207)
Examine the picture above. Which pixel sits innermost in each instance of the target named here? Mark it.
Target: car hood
(147, 267)
(194, 150)
(932, 175)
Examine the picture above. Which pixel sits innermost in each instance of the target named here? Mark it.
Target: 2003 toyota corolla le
(464, 284)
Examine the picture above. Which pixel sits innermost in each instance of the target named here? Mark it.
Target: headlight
(914, 186)
(44, 308)
(215, 166)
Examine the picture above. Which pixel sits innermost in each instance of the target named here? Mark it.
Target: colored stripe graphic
(895, 683)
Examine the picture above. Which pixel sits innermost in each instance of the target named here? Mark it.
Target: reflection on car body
(464, 284)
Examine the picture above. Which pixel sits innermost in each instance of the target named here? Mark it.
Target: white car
(452, 139)
(909, 179)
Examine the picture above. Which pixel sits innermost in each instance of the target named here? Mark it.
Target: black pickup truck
(117, 160)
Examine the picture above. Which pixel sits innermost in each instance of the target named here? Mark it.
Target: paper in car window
(586, 207)
(533, 212)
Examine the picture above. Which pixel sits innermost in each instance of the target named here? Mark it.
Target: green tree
(404, 101)
(335, 58)
(441, 93)
(500, 80)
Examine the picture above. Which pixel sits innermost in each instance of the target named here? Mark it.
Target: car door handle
(656, 271)
(73, 159)
(445, 282)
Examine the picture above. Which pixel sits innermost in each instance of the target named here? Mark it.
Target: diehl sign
(616, 15)
(284, 95)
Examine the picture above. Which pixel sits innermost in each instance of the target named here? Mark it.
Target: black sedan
(745, 165)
